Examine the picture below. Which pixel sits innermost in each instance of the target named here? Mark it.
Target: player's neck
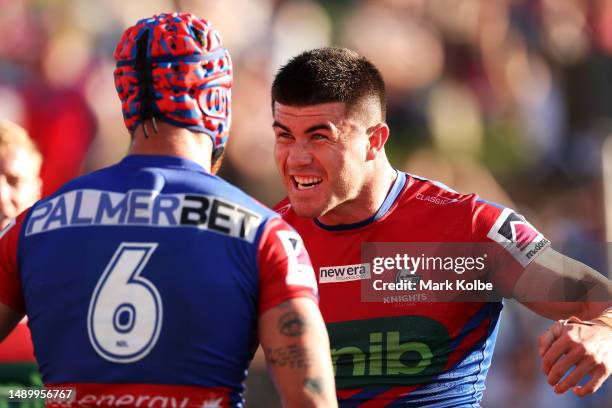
(368, 201)
(173, 141)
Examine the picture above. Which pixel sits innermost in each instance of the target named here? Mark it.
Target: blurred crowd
(508, 98)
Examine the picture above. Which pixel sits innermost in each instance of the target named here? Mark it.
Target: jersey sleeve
(285, 271)
(513, 242)
(10, 285)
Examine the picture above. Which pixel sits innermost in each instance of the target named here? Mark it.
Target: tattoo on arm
(291, 324)
(292, 356)
(314, 385)
(568, 289)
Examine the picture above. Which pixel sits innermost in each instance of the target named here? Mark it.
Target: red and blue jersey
(402, 351)
(143, 283)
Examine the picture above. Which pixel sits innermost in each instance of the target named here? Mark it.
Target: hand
(586, 346)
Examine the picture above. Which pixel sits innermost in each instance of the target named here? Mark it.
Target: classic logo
(517, 236)
(391, 350)
(8, 227)
(436, 199)
(344, 273)
(284, 209)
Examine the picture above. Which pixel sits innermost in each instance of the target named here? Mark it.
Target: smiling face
(321, 152)
(19, 182)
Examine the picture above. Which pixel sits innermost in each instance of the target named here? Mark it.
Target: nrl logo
(404, 275)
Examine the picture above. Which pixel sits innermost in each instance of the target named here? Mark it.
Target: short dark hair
(327, 75)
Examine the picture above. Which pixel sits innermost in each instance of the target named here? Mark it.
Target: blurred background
(511, 99)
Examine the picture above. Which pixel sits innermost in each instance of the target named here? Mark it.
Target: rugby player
(149, 283)
(20, 187)
(329, 122)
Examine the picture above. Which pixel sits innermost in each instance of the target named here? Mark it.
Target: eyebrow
(311, 129)
(318, 127)
(280, 125)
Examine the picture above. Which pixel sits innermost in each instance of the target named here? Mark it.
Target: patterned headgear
(172, 67)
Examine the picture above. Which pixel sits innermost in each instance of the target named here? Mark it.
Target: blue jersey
(143, 283)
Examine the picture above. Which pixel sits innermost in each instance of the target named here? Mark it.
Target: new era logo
(344, 273)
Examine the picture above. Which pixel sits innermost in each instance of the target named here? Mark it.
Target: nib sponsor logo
(517, 236)
(344, 273)
(399, 350)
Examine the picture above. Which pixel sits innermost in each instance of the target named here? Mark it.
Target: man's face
(19, 183)
(320, 152)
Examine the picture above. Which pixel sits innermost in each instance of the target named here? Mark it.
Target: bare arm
(558, 287)
(296, 345)
(8, 320)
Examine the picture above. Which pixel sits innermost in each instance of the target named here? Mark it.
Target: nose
(299, 155)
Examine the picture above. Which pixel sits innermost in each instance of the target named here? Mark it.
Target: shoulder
(440, 199)
(238, 196)
(433, 192)
(487, 221)
(152, 197)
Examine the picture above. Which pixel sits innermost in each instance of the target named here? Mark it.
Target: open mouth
(305, 183)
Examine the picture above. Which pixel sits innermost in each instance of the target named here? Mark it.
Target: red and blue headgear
(172, 67)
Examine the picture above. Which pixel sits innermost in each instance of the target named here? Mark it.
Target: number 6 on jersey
(125, 312)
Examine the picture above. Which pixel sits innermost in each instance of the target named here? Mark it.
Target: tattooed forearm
(292, 356)
(291, 324)
(314, 385)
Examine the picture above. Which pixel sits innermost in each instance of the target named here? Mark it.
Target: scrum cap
(172, 67)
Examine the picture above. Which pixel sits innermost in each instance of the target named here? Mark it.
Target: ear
(378, 135)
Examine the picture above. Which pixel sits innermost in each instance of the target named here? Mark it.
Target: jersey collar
(142, 160)
(392, 195)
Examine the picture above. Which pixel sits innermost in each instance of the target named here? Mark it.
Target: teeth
(307, 180)
(304, 183)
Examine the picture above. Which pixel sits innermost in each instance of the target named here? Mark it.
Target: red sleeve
(17, 346)
(514, 242)
(285, 271)
(10, 286)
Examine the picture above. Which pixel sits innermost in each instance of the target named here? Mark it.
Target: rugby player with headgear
(150, 282)
(329, 120)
